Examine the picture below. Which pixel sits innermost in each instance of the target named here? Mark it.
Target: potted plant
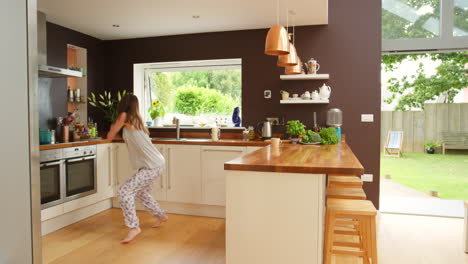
(295, 129)
(157, 112)
(430, 146)
(106, 104)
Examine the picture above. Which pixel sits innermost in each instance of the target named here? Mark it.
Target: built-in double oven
(67, 174)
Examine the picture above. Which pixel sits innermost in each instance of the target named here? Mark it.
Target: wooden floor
(184, 239)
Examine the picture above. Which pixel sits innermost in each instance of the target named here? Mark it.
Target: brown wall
(53, 91)
(348, 48)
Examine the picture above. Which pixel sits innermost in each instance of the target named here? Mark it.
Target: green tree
(227, 82)
(191, 100)
(415, 90)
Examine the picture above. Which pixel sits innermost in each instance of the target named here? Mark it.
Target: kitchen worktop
(296, 158)
(188, 141)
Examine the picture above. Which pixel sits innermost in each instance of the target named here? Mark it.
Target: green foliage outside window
(394, 26)
(192, 100)
(415, 90)
(198, 92)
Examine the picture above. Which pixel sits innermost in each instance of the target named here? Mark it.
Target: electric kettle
(264, 129)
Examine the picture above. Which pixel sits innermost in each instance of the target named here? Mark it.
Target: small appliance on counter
(335, 119)
(264, 129)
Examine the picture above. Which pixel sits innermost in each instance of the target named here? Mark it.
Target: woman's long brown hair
(129, 104)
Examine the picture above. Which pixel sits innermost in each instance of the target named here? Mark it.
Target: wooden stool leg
(365, 236)
(373, 239)
(329, 235)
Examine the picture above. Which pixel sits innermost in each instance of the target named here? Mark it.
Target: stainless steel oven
(67, 174)
(52, 177)
(80, 172)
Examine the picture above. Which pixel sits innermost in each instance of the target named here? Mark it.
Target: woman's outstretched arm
(118, 124)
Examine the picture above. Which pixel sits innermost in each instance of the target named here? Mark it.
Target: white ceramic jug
(325, 92)
(315, 95)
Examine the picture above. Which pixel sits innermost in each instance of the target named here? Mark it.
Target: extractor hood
(44, 69)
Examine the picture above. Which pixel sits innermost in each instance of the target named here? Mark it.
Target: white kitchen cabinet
(213, 180)
(252, 149)
(184, 182)
(52, 212)
(124, 166)
(105, 170)
(159, 187)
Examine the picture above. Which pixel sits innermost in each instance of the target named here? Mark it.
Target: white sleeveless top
(142, 152)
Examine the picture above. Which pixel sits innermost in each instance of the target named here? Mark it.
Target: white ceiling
(147, 18)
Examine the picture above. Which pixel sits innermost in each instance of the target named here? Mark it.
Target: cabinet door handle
(161, 179)
(109, 166)
(169, 169)
(117, 158)
(51, 163)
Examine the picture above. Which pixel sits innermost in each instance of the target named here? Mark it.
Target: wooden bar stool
(344, 181)
(361, 215)
(346, 193)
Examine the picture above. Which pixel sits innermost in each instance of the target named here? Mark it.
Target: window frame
(143, 71)
(445, 40)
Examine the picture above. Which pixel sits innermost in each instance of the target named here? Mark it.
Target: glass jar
(251, 133)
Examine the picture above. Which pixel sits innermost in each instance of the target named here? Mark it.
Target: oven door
(52, 191)
(80, 177)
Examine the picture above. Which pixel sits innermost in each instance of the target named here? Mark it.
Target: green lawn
(447, 174)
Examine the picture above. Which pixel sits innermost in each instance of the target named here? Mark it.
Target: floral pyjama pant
(140, 186)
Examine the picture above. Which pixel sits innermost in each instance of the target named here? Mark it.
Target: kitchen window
(409, 25)
(199, 93)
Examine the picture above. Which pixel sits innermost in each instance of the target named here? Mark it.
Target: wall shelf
(304, 101)
(323, 76)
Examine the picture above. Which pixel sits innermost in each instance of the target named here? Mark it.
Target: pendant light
(277, 42)
(296, 69)
(291, 58)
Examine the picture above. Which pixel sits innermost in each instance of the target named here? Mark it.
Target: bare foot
(161, 220)
(131, 235)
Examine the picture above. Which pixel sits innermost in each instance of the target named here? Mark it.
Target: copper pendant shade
(296, 69)
(277, 41)
(288, 60)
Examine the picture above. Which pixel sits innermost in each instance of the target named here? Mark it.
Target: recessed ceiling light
(115, 25)
(196, 16)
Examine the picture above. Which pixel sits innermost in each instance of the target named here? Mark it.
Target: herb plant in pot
(430, 146)
(295, 129)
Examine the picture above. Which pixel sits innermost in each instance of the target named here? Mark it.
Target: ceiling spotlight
(115, 25)
(196, 16)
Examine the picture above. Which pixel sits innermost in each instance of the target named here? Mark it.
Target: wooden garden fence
(428, 124)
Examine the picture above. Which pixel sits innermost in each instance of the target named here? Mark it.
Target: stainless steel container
(334, 117)
(266, 130)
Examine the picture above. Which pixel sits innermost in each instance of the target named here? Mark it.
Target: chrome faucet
(177, 123)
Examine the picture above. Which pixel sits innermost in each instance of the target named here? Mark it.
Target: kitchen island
(275, 202)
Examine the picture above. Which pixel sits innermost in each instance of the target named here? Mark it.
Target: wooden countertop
(74, 144)
(188, 141)
(292, 158)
